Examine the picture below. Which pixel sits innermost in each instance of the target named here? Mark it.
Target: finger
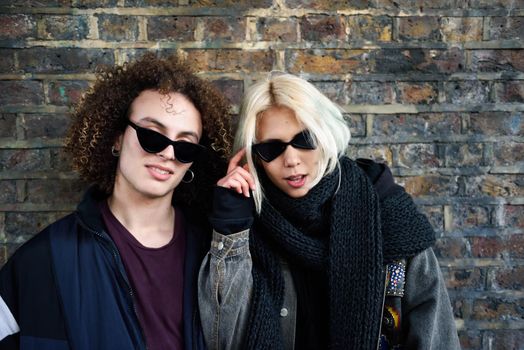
(234, 162)
(247, 176)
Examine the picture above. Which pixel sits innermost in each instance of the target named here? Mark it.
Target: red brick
(431, 185)
(420, 5)
(24, 160)
(17, 27)
(417, 93)
(45, 126)
(371, 92)
(54, 192)
(450, 248)
(232, 89)
(322, 28)
(63, 60)
(515, 246)
(225, 60)
(505, 339)
(435, 216)
(498, 309)
(21, 92)
(327, 61)
(356, 125)
(419, 155)
(277, 29)
(469, 216)
(66, 93)
(419, 28)
(486, 247)
(510, 91)
(497, 60)
(7, 125)
(514, 215)
(508, 278)
(379, 153)
(7, 191)
(508, 153)
(373, 28)
(506, 28)
(465, 279)
(336, 91)
(470, 339)
(20, 226)
(117, 28)
(496, 186)
(467, 92)
(64, 27)
(230, 3)
(177, 28)
(328, 4)
(464, 154)
(416, 125)
(497, 4)
(417, 61)
(227, 29)
(60, 161)
(461, 29)
(496, 124)
(7, 63)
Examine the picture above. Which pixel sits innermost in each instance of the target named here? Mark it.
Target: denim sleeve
(224, 290)
(427, 312)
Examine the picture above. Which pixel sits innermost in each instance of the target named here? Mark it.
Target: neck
(150, 220)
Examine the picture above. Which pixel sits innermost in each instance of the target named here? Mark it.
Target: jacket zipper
(382, 310)
(117, 258)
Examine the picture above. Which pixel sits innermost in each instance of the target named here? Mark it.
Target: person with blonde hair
(311, 249)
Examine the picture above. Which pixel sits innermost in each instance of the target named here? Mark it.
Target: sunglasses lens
(269, 151)
(186, 152)
(152, 141)
(303, 140)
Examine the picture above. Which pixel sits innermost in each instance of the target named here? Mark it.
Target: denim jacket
(225, 287)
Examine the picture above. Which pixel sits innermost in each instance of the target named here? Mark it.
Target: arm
(225, 281)
(427, 312)
(9, 330)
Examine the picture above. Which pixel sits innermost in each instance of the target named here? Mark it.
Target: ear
(117, 144)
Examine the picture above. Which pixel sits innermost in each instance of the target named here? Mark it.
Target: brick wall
(434, 88)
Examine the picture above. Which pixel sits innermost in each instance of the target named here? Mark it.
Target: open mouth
(296, 180)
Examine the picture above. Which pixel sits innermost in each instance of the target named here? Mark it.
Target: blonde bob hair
(312, 109)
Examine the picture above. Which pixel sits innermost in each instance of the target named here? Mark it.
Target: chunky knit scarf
(358, 236)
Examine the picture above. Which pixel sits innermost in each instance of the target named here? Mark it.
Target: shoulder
(37, 249)
(380, 176)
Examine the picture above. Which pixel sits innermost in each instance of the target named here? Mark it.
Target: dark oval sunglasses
(268, 151)
(154, 142)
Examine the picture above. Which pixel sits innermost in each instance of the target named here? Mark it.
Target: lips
(296, 181)
(159, 173)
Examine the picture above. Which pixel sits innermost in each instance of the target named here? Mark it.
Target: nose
(291, 157)
(167, 153)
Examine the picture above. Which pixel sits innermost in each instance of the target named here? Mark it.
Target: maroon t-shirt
(156, 276)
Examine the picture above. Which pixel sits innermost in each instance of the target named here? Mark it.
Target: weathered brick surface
(433, 88)
(117, 28)
(66, 93)
(7, 125)
(173, 28)
(276, 29)
(371, 28)
(63, 60)
(63, 28)
(44, 125)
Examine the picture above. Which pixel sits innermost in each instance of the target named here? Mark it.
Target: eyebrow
(164, 128)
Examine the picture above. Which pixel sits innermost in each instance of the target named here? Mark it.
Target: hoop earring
(115, 152)
(191, 173)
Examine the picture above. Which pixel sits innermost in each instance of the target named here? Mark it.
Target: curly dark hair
(101, 116)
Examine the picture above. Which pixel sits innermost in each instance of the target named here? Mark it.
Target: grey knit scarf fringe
(363, 236)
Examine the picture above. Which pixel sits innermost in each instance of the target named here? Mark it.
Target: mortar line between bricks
(261, 12)
(262, 45)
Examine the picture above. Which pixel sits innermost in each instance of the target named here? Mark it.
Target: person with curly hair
(121, 271)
